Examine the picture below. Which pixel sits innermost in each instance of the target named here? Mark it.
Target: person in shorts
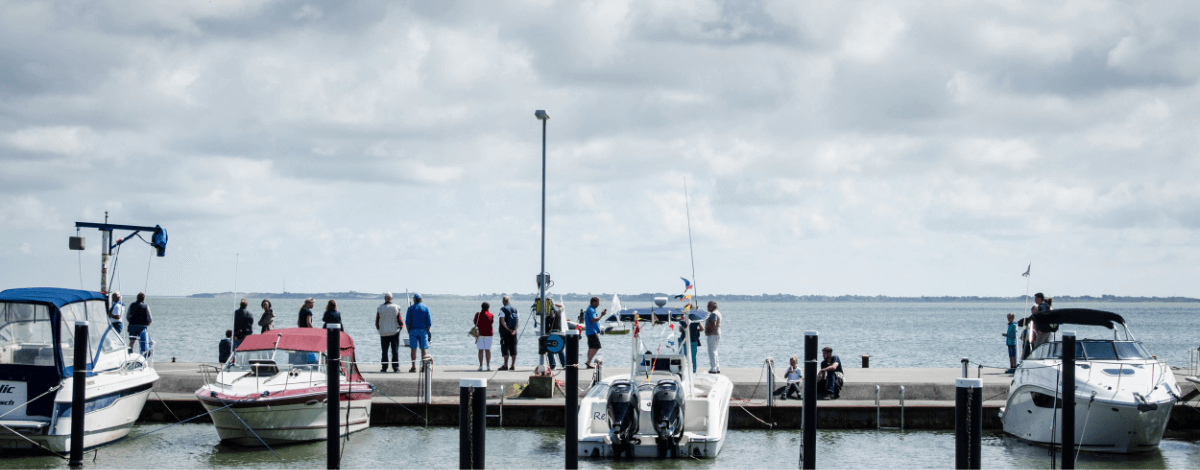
(509, 319)
(591, 327)
(483, 321)
(418, 320)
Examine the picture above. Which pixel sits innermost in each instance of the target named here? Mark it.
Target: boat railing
(878, 422)
(1194, 361)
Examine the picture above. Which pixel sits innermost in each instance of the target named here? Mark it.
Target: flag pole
(691, 252)
(1028, 330)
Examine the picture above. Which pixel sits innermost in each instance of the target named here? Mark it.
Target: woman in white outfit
(712, 329)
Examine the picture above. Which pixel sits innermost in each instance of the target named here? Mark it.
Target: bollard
(472, 422)
(866, 361)
(965, 361)
(968, 422)
(808, 444)
(79, 384)
(333, 364)
(770, 363)
(1068, 400)
(427, 380)
(572, 398)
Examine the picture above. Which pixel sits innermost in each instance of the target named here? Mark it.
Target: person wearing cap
(419, 322)
(116, 312)
(389, 324)
(139, 321)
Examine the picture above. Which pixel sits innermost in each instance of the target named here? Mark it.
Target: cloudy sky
(867, 148)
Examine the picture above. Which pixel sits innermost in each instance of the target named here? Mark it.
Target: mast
(691, 253)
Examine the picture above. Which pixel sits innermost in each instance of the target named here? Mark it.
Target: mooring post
(78, 393)
(333, 365)
(479, 426)
(770, 365)
(968, 422)
(1068, 400)
(572, 397)
(965, 361)
(472, 422)
(427, 380)
(464, 424)
(808, 445)
(976, 460)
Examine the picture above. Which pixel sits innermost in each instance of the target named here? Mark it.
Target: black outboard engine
(623, 416)
(666, 412)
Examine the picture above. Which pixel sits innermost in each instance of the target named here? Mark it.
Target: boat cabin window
(283, 358)
(1093, 350)
(99, 331)
(1054, 351)
(26, 335)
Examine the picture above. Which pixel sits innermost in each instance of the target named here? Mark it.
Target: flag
(686, 308)
(1027, 268)
(686, 284)
(683, 297)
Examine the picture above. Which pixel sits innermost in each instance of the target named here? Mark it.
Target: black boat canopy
(1076, 316)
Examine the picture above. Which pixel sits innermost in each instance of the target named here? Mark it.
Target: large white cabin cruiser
(659, 409)
(273, 389)
(37, 350)
(1123, 395)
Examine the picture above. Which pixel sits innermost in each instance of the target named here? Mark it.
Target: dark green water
(196, 446)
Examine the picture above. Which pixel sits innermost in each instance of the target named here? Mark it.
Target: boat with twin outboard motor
(272, 390)
(37, 347)
(1123, 394)
(661, 408)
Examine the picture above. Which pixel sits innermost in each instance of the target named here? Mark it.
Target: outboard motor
(666, 412)
(623, 416)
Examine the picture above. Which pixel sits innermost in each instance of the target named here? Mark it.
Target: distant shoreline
(648, 297)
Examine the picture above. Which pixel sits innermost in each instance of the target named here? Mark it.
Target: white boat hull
(112, 420)
(1101, 427)
(287, 423)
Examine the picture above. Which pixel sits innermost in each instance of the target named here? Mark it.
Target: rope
(768, 425)
(52, 389)
(31, 441)
(1086, 417)
(164, 403)
(139, 436)
(402, 405)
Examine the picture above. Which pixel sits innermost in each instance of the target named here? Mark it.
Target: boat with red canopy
(272, 390)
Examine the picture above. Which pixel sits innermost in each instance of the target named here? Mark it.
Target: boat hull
(1100, 426)
(111, 419)
(293, 419)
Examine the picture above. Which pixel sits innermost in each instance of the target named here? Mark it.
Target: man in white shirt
(388, 322)
(116, 312)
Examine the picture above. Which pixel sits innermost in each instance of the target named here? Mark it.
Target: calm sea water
(899, 334)
(196, 446)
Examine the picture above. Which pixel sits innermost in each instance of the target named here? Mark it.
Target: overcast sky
(865, 148)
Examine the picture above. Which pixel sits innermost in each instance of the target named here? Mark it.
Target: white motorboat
(1123, 395)
(273, 389)
(37, 347)
(661, 408)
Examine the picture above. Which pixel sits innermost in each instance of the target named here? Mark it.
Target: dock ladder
(878, 413)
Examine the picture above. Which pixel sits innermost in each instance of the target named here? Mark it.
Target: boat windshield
(26, 334)
(284, 359)
(1094, 350)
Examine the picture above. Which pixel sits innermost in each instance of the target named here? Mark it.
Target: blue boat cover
(48, 295)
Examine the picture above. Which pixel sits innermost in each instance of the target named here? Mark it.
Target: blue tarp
(48, 295)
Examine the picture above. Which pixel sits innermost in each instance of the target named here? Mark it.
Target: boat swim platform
(928, 398)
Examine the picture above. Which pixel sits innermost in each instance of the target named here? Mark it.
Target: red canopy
(298, 339)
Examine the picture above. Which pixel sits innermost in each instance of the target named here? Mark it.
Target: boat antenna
(1025, 313)
(237, 258)
(687, 210)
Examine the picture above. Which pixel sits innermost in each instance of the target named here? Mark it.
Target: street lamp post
(542, 116)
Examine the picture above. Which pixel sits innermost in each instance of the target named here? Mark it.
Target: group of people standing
(139, 319)
(1041, 329)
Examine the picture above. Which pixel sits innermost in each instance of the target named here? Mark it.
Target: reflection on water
(196, 446)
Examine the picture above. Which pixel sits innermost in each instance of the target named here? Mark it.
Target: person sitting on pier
(225, 347)
(830, 376)
(793, 377)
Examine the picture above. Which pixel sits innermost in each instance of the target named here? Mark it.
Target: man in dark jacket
(243, 323)
(225, 347)
(139, 320)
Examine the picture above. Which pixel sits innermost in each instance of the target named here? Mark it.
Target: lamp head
(541, 114)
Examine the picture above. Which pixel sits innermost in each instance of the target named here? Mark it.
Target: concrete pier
(929, 398)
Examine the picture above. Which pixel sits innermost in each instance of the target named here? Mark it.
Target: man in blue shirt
(509, 318)
(1011, 342)
(591, 322)
(418, 320)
